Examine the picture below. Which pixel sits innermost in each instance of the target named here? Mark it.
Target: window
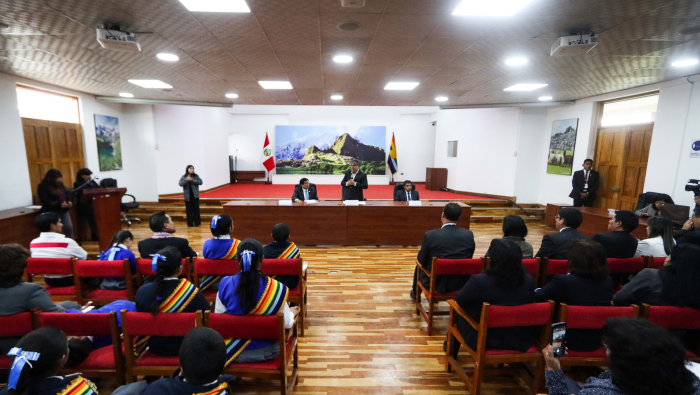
(452, 149)
(631, 111)
(47, 106)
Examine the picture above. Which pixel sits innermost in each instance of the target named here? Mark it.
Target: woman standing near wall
(190, 183)
(53, 197)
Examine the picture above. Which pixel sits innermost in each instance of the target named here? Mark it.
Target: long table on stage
(333, 223)
(595, 220)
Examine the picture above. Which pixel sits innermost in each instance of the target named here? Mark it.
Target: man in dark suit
(304, 191)
(556, 245)
(163, 228)
(407, 194)
(354, 182)
(450, 242)
(690, 233)
(619, 243)
(585, 184)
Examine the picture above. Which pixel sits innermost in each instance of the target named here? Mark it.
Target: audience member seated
(168, 294)
(587, 284)
(163, 228)
(20, 297)
(222, 246)
(691, 230)
(556, 245)
(407, 194)
(304, 191)
(52, 244)
(619, 243)
(643, 358)
(202, 362)
(448, 242)
(282, 248)
(40, 355)
(121, 249)
(250, 292)
(675, 284)
(654, 209)
(659, 241)
(504, 283)
(515, 230)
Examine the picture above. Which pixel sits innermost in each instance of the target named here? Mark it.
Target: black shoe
(413, 294)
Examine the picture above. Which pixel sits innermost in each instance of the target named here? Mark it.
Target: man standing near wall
(585, 184)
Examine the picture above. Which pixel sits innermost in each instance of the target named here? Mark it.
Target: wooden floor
(363, 336)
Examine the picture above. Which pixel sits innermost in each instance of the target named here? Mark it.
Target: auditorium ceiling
(460, 57)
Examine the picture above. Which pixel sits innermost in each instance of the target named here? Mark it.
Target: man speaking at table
(354, 182)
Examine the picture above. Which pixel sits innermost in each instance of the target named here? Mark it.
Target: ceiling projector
(574, 45)
(118, 40)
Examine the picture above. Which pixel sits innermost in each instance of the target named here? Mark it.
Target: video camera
(694, 186)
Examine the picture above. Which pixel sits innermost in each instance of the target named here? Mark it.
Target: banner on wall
(562, 144)
(109, 149)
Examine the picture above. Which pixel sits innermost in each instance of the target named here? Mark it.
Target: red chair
(139, 360)
(102, 362)
(290, 267)
(144, 268)
(53, 266)
(442, 267)
(626, 265)
(13, 326)
(533, 314)
(259, 327)
(676, 318)
(92, 269)
(590, 317)
(532, 266)
(551, 267)
(212, 267)
(655, 262)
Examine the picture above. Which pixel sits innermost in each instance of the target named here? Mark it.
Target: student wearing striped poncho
(222, 246)
(282, 248)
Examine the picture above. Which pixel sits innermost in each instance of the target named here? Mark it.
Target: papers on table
(351, 202)
(311, 201)
(414, 203)
(285, 202)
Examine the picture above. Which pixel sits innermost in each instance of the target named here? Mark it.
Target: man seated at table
(619, 243)
(52, 244)
(407, 194)
(354, 182)
(282, 248)
(449, 242)
(304, 191)
(556, 245)
(163, 228)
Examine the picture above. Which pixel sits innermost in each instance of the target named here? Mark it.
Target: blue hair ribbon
(21, 358)
(245, 259)
(214, 220)
(112, 253)
(154, 262)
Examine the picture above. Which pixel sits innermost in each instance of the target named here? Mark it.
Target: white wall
(531, 154)
(13, 157)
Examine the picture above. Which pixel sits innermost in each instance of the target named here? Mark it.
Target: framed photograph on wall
(562, 144)
(109, 148)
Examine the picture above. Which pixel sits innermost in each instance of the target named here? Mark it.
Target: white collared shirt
(448, 224)
(223, 237)
(161, 235)
(352, 176)
(560, 230)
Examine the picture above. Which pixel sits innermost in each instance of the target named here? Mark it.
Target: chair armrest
(457, 309)
(306, 266)
(420, 266)
(133, 198)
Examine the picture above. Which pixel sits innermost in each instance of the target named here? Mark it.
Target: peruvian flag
(267, 159)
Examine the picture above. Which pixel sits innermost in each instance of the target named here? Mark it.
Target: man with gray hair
(354, 182)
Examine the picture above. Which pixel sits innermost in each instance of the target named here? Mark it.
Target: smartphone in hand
(559, 338)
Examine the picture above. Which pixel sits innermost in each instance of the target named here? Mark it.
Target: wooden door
(635, 165)
(609, 158)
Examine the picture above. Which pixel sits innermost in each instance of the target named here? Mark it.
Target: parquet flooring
(363, 335)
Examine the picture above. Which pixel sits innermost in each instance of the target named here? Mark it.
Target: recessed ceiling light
(216, 5)
(525, 87)
(544, 98)
(337, 97)
(516, 61)
(232, 95)
(275, 84)
(401, 86)
(685, 63)
(342, 59)
(126, 94)
(168, 57)
(151, 84)
(441, 98)
(490, 8)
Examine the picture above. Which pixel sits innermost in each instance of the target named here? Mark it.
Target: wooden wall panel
(610, 145)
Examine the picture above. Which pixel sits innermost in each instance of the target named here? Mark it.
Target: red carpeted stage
(277, 191)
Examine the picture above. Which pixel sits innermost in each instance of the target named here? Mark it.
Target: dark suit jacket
(484, 288)
(400, 196)
(354, 192)
(451, 242)
(687, 236)
(556, 245)
(617, 244)
(579, 180)
(575, 290)
(299, 192)
(148, 247)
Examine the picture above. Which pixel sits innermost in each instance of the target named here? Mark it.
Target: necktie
(306, 194)
(409, 196)
(586, 176)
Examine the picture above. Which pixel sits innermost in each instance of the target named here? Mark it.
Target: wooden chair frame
(28, 277)
(119, 363)
(479, 355)
(649, 262)
(82, 292)
(286, 383)
(644, 311)
(195, 276)
(431, 294)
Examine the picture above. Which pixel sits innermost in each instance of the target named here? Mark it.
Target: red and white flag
(267, 159)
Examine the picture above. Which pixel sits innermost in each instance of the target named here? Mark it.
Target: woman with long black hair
(659, 241)
(83, 181)
(190, 183)
(54, 198)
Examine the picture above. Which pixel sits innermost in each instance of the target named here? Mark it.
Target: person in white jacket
(660, 238)
(52, 244)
